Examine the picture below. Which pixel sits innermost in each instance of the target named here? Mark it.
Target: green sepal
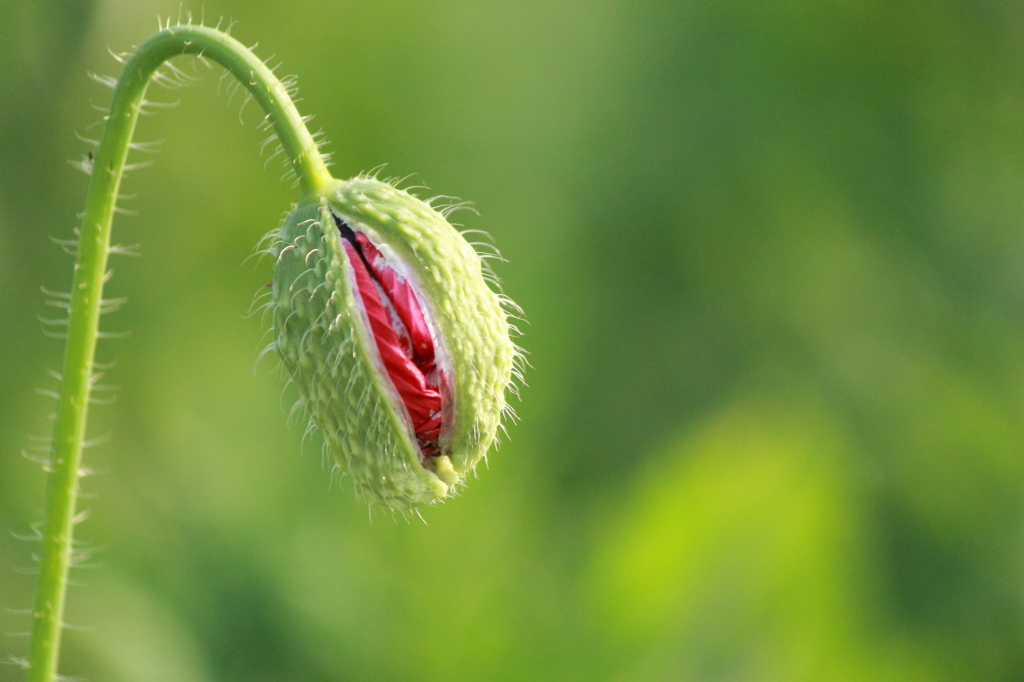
(323, 340)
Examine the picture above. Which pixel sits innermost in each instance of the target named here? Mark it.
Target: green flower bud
(400, 350)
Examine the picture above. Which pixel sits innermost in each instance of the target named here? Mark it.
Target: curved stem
(89, 276)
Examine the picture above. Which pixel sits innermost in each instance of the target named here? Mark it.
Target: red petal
(403, 339)
(404, 301)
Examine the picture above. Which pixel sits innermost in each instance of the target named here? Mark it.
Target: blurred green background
(772, 256)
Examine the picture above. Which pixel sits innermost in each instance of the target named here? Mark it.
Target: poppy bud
(400, 350)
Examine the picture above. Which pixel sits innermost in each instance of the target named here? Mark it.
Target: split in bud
(400, 332)
(400, 350)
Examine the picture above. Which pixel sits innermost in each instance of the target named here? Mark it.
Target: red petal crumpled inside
(403, 338)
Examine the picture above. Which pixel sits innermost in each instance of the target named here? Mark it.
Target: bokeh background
(772, 258)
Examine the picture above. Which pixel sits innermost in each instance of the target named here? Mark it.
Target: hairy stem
(90, 274)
